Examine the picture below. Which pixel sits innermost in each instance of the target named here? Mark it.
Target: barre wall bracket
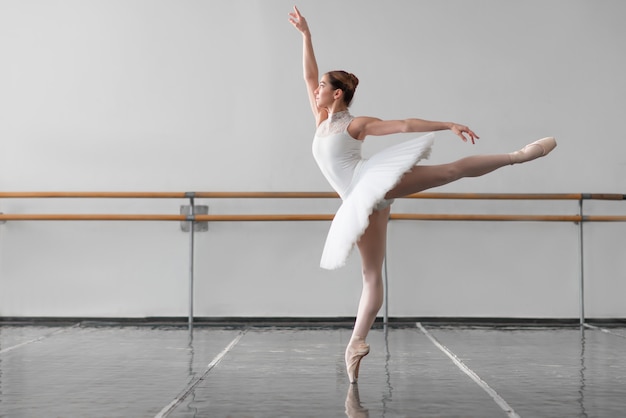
(197, 210)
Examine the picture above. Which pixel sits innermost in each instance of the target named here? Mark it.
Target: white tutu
(372, 180)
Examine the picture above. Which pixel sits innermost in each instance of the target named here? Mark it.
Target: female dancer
(368, 187)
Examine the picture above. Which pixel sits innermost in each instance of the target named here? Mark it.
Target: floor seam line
(40, 338)
(475, 377)
(191, 386)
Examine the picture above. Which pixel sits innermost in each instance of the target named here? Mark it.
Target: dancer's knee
(451, 172)
(372, 277)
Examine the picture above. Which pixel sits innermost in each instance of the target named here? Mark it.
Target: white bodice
(337, 154)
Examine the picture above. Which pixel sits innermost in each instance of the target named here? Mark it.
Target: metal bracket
(197, 210)
(2, 222)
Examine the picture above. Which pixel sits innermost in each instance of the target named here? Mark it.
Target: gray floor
(434, 371)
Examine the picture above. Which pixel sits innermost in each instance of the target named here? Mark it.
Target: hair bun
(354, 80)
(345, 81)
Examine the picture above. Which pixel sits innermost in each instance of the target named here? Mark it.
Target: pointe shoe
(534, 150)
(356, 350)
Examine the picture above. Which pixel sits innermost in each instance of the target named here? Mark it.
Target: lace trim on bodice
(335, 124)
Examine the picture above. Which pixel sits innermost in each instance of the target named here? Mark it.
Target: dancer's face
(326, 94)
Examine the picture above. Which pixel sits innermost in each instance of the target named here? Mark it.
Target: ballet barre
(302, 217)
(192, 218)
(307, 195)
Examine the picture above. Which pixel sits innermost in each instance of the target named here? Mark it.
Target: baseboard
(308, 322)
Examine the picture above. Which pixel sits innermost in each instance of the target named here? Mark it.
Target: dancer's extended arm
(373, 126)
(309, 64)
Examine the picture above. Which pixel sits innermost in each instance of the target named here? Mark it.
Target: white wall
(155, 95)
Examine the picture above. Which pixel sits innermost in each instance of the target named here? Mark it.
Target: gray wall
(157, 95)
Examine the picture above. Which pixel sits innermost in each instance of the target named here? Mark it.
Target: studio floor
(413, 370)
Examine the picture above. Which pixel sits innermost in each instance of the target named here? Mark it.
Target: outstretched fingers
(471, 135)
(295, 18)
(462, 131)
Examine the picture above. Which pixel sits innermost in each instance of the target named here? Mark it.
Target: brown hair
(344, 81)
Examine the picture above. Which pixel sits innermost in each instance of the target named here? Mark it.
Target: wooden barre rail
(304, 217)
(518, 196)
(172, 195)
(307, 195)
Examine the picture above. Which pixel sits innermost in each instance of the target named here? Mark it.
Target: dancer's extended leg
(372, 249)
(423, 177)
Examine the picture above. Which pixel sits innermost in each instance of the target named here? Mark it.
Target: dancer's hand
(298, 21)
(462, 130)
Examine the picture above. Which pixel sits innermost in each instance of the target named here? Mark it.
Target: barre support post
(581, 255)
(191, 259)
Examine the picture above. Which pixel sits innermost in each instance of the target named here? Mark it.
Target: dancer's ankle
(356, 340)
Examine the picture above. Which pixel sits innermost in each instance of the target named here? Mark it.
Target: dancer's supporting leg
(372, 249)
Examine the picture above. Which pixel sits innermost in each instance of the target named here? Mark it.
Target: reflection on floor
(434, 371)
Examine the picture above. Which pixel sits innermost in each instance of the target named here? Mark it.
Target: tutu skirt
(373, 178)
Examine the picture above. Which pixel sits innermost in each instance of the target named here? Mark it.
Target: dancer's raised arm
(309, 64)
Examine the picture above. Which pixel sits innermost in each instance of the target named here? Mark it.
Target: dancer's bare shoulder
(363, 126)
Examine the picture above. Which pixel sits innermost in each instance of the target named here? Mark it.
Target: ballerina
(368, 187)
